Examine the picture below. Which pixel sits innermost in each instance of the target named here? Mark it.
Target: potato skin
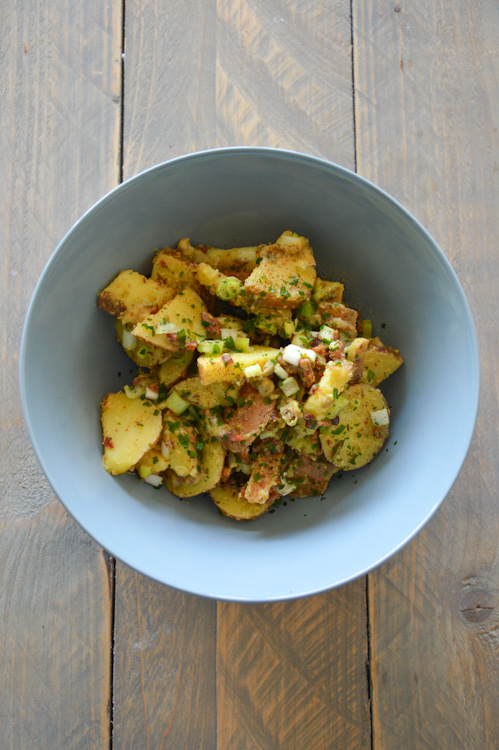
(228, 500)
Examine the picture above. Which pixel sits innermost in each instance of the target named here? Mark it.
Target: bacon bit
(212, 326)
(335, 421)
(310, 421)
(162, 264)
(108, 443)
(226, 472)
(337, 353)
(307, 372)
(190, 345)
(319, 348)
(227, 358)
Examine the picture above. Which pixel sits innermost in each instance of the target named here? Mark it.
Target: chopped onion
(165, 450)
(225, 333)
(232, 460)
(167, 328)
(380, 417)
(128, 340)
(284, 488)
(151, 395)
(253, 371)
(176, 403)
(289, 386)
(327, 333)
(154, 480)
(245, 468)
(293, 354)
(132, 391)
(280, 372)
(268, 368)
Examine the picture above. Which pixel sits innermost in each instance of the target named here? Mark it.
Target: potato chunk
(204, 396)
(285, 274)
(356, 439)
(326, 401)
(209, 476)
(129, 428)
(228, 500)
(132, 297)
(380, 361)
(232, 366)
(184, 312)
(174, 271)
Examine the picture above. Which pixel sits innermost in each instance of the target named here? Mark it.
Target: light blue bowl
(392, 270)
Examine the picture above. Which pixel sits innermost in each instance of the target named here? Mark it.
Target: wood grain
(293, 674)
(426, 125)
(58, 154)
(164, 685)
(261, 74)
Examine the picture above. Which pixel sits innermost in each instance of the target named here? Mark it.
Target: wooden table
(93, 655)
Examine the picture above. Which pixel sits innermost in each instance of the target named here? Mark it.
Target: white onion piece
(280, 372)
(286, 488)
(154, 480)
(226, 333)
(151, 395)
(293, 354)
(289, 386)
(327, 333)
(165, 451)
(128, 340)
(167, 328)
(380, 417)
(253, 371)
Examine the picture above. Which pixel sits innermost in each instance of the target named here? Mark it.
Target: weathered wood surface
(426, 123)
(59, 125)
(418, 111)
(241, 83)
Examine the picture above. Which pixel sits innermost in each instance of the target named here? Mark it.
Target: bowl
(393, 272)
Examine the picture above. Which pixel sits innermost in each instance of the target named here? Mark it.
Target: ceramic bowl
(393, 272)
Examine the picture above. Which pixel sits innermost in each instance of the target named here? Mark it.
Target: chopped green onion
(289, 386)
(144, 471)
(253, 371)
(242, 344)
(131, 391)
(176, 403)
(307, 309)
(367, 329)
(228, 288)
(129, 341)
(289, 328)
(211, 347)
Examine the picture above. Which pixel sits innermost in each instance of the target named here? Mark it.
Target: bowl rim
(284, 154)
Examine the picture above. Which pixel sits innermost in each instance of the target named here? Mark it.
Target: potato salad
(255, 379)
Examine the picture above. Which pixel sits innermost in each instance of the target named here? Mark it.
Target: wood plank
(290, 675)
(426, 117)
(164, 685)
(293, 674)
(59, 120)
(243, 73)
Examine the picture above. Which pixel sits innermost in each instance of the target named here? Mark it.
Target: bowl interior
(393, 272)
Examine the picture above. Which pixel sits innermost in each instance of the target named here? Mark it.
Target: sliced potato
(355, 439)
(228, 500)
(152, 462)
(173, 270)
(129, 428)
(204, 396)
(227, 368)
(380, 361)
(182, 441)
(184, 311)
(336, 315)
(284, 276)
(326, 401)
(210, 474)
(132, 297)
(174, 368)
(140, 352)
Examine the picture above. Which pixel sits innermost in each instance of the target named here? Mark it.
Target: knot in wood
(477, 604)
